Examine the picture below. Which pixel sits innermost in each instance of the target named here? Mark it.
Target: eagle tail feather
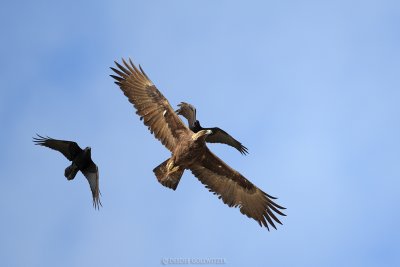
(167, 177)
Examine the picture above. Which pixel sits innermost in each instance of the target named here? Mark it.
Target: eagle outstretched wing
(236, 191)
(151, 105)
(68, 148)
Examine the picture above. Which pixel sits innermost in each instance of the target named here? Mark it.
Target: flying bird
(189, 151)
(218, 135)
(81, 161)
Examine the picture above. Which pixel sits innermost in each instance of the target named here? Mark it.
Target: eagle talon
(171, 168)
(170, 165)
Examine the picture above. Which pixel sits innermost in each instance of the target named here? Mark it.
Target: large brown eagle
(189, 150)
(81, 161)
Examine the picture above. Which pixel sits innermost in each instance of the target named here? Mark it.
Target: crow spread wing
(220, 136)
(68, 148)
(188, 111)
(92, 175)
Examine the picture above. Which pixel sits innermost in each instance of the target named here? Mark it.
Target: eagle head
(201, 134)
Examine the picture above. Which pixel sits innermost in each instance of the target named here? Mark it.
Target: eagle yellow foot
(171, 168)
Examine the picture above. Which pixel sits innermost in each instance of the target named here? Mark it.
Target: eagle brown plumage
(189, 151)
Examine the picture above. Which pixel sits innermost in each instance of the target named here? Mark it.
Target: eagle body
(190, 149)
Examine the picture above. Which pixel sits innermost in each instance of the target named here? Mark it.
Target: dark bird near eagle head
(81, 161)
(217, 136)
(189, 151)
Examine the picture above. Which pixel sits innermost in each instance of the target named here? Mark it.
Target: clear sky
(312, 88)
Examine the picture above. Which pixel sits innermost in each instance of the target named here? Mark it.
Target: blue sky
(312, 88)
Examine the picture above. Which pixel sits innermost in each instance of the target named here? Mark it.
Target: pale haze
(311, 88)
